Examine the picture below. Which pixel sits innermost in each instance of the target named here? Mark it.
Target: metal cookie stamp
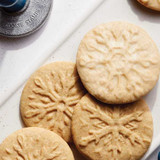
(19, 18)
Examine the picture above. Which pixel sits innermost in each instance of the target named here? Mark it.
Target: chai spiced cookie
(112, 132)
(35, 144)
(152, 4)
(49, 97)
(118, 62)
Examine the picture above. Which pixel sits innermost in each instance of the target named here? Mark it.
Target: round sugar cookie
(152, 4)
(35, 144)
(112, 132)
(49, 97)
(118, 62)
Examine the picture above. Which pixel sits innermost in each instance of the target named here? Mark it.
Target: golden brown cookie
(35, 144)
(49, 97)
(118, 62)
(112, 132)
(152, 4)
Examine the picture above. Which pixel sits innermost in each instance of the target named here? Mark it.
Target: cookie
(112, 132)
(152, 4)
(118, 62)
(49, 97)
(35, 144)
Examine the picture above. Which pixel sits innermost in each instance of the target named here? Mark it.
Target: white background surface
(25, 55)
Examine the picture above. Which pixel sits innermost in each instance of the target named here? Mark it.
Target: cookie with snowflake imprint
(118, 62)
(35, 144)
(49, 97)
(152, 4)
(112, 132)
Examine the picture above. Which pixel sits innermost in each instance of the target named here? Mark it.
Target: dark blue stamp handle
(12, 5)
(159, 156)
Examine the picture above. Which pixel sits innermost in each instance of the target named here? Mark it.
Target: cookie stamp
(26, 21)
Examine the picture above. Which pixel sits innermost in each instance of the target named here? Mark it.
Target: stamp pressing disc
(26, 21)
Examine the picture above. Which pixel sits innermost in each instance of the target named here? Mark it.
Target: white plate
(110, 10)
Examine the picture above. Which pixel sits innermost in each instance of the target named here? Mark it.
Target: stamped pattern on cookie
(23, 153)
(117, 52)
(121, 57)
(58, 93)
(115, 127)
